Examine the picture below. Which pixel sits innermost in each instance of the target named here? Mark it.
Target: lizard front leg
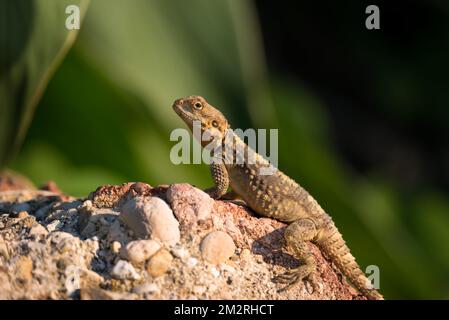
(295, 235)
(221, 180)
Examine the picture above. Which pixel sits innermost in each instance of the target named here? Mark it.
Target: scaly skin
(276, 196)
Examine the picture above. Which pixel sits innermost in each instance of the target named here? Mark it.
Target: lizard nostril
(178, 103)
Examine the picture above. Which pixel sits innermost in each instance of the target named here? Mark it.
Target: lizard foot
(294, 276)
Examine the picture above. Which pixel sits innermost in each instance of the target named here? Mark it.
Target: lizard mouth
(187, 117)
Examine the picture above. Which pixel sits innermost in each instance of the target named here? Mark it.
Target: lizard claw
(294, 276)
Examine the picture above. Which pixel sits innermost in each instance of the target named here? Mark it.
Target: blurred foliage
(30, 49)
(106, 117)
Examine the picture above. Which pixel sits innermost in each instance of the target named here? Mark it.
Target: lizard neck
(236, 153)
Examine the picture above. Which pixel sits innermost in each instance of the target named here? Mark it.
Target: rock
(217, 247)
(159, 263)
(64, 241)
(54, 225)
(116, 233)
(21, 207)
(22, 214)
(72, 281)
(38, 231)
(191, 262)
(94, 221)
(90, 279)
(147, 288)
(180, 252)
(4, 251)
(139, 251)
(125, 271)
(245, 254)
(109, 196)
(36, 264)
(115, 247)
(151, 218)
(24, 269)
(190, 204)
(100, 294)
(214, 272)
(42, 213)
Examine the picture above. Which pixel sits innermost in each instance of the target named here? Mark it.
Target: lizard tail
(335, 247)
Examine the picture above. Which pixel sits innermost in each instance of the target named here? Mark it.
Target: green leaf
(33, 40)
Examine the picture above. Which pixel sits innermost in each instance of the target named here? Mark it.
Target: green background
(105, 118)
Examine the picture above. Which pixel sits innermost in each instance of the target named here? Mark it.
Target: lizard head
(196, 108)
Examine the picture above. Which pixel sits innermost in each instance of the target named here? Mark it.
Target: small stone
(54, 225)
(217, 247)
(199, 290)
(72, 281)
(4, 248)
(214, 272)
(245, 254)
(180, 252)
(20, 207)
(22, 214)
(125, 271)
(115, 247)
(147, 288)
(42, 213)
(101, 294)
(159, 263)
(151, 218)
(115, 233)
(24, 269)
(190, 204)
(140, 250)
(90, 279)
(64, 241)
(37, 231)
(191, 262)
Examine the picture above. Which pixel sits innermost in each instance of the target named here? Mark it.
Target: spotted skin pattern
(276, 196)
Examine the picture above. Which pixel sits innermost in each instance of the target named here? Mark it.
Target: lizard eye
(198, 105)
(215, 123)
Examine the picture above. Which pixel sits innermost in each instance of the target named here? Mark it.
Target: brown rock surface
(65, 248)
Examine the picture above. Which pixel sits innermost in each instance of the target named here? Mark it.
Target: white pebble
(124, 270)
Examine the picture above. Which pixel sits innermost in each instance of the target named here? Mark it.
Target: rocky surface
(138, 242)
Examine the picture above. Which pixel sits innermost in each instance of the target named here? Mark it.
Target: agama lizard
(276, 196)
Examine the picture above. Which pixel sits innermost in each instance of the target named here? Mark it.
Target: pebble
(4, 248)
(189, 203)
(22, 214)
(101, 294)
(217, 247)
(54, 225)
(20, 207)
(147, 288)
(214, 272)
(159, 263)
(199, 290)
(72, 281)
(125, 271)
(64, 241)
(151, 218)
(115, 232)
(191, 262)
(180, 252)
(140, 250)
(90, 279)
(38, 230)
(115, 247)
(24, 269)
(42, 213)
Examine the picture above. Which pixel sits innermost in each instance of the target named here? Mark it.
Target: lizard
(273, 195)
